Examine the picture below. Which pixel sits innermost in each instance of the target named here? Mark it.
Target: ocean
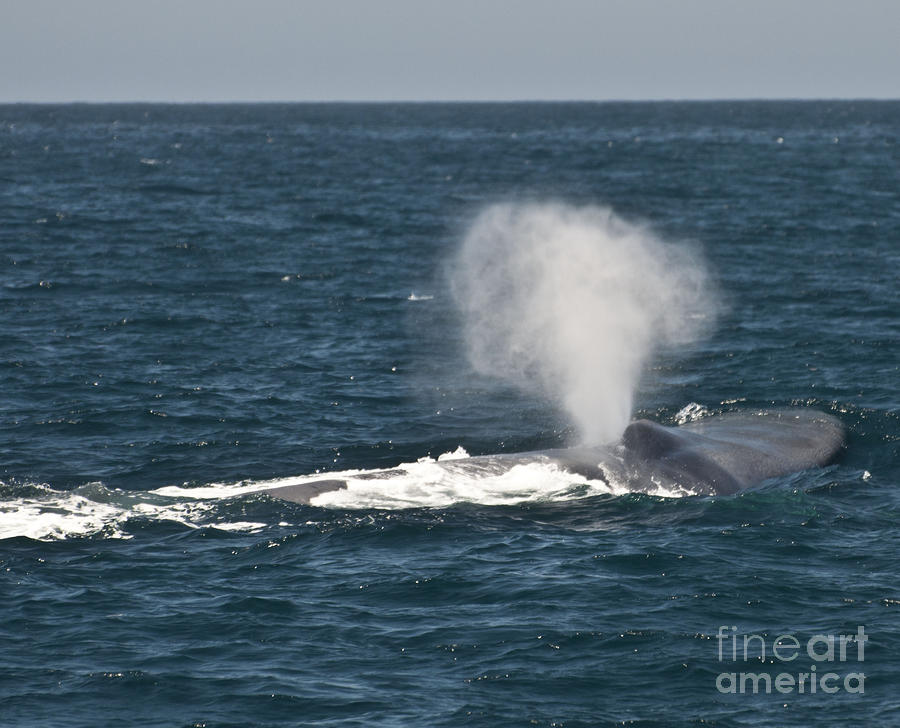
(203, 301)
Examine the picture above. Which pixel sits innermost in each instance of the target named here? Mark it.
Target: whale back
(303, 493)
(726, 453)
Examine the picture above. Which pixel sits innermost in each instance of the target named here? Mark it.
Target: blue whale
(716, 455)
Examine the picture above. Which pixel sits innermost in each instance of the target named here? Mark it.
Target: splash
(93, 511)
(691, 412)
(573, 302)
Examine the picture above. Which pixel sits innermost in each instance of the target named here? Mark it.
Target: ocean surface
(200, 302)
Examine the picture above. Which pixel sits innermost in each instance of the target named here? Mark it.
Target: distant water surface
(197, 300)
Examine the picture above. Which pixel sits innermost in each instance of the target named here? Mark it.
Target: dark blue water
(195, 297)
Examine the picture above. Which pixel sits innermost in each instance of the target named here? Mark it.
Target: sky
(427, 50)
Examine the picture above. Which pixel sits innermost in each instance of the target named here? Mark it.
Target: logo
(822, 654)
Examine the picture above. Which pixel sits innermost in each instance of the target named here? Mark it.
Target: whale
(719, 454)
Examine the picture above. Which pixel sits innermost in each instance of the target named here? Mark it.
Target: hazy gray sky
(260, 50)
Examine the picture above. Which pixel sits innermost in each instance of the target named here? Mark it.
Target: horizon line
(214, 102)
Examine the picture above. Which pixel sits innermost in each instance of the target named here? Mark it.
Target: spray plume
(573, 301)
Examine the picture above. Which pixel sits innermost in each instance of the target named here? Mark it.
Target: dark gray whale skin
(716, 455)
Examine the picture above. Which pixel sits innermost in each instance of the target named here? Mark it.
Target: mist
(573, 302)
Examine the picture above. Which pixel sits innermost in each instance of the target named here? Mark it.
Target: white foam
(427, 484)
(95, 510)
(56, 517)
(691, 412)
(458, 454)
